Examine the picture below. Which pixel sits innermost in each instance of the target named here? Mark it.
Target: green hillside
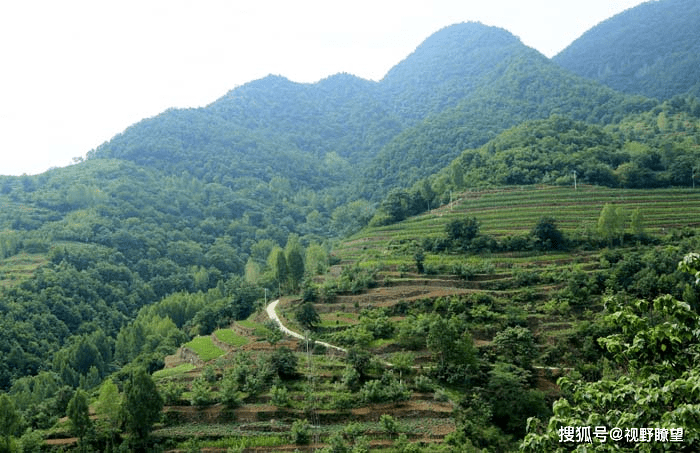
(652, 49)
(445, 243)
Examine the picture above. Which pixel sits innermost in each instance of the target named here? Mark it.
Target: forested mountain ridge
(652, 49)
(523, 85)
(458, 89)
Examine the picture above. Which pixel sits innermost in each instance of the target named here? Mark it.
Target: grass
(259, 329)
(230, 337)
(175, 371)
(205, 348)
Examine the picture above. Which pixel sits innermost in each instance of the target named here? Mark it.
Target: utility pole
(575, 186)
(692, 176)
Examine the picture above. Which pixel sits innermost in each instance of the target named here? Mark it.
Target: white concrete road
(272, 314)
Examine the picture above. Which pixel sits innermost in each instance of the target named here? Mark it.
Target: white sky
(73, 73)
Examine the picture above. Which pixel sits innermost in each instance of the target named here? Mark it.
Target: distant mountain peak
(652, 49)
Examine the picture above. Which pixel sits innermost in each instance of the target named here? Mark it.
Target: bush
(388, 389)
(301, 432)
(280, 396)
(201, 393)
(229, 391)
(172, 392)
(423, 383)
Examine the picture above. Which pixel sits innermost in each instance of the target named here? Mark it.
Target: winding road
(272, 314)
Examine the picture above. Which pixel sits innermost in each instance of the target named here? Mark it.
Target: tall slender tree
(142, 406)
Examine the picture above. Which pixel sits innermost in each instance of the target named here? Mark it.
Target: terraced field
(494, 289)
(513, 211)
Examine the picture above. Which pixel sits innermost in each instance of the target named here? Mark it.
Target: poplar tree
(142, 405)
(278, 264)
(294, 254)
(79, 414)
(9, 420)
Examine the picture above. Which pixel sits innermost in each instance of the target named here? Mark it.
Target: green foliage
(516, 345)
(78, 414)
(284, 363)
(294, 254)
(301, 432)
(9, 420)
(611, 223)
(307, 316)
(512, 401)
(386, 389)
(277, 262)
(142, 404)
(389, 424)
(655, 347)
(624, 52)
(547, 234)
(201, 392)
(229, 391)
(453, 348)
(279, 396)
(462, 231)
(108, 403)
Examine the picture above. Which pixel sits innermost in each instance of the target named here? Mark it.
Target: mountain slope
(652, 50)
(445, 68)
(523, 85)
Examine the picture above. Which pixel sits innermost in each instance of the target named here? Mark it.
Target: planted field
(231, 338)
(15, 269)
(205, 348)
(515, 211)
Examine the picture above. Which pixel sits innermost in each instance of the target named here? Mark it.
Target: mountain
(445, 68)
(183, 222)
(652, 50)
(518, 85)
(458, 89)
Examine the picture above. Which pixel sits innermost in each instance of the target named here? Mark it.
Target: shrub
(229, 391)
(280, 396)
(423, 383)
(301, 432)
(201, 393)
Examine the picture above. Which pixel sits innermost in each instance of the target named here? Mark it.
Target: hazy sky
(75, 73)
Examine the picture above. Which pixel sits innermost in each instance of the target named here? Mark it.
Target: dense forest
(186, 221)
(645, 50)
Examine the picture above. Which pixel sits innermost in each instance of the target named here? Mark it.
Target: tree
(284, 363)
(516, 345)
(108, 404)
(462, 231)
(201, 392)
(450, 342)
(142, 405)
(611, 223)
(307, 316)
(548, 235)
(657, 384)
(79, 414)
(637, 224)
(278, 264)
(359, 359)
(294, 254)
(301, 432)
(9, 421)
(229, 391)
